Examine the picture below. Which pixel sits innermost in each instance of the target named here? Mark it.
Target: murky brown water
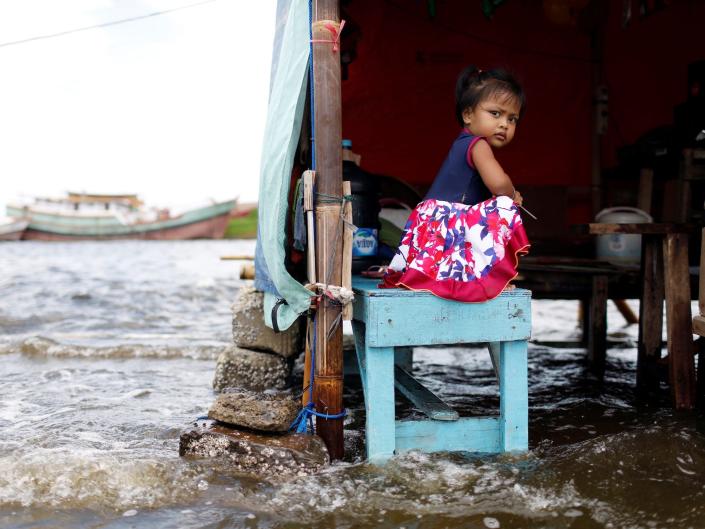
(107, 353)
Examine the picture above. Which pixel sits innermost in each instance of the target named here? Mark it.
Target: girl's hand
(518, 199)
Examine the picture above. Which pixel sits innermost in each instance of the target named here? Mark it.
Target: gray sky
(171, 107)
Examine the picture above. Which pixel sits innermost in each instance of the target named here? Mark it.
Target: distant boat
(81, 216)
(12, 229)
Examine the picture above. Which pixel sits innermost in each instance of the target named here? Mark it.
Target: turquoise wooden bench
(386, 322)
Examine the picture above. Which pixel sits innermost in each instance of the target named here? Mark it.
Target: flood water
(107, 353)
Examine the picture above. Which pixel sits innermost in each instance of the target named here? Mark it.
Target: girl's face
(494, 118)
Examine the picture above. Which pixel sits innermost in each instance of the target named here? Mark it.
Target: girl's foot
(509, 287)
(376, 272)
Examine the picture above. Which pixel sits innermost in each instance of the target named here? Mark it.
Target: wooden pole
(328, 388)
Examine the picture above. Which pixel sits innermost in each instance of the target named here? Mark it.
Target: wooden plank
(422, 398)
(435, 320)
(597, 332)
(472, 434)
(347, 249)
(680, 341)
(650, 315)
(640, 229)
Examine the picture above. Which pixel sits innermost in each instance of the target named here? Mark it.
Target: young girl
(463, 241)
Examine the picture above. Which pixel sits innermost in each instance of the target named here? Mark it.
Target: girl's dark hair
(475, 85)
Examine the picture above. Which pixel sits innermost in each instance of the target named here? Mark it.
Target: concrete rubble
(268, 411)
(254, 370)
(266, 456)
(250, 331)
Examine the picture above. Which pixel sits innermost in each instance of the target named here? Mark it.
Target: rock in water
(263, 455)
(267, 411)
(250, 332)
(254, 370)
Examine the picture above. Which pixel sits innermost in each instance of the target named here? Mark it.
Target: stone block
(268, 411)
(254, 370)
(250, 332)
(265, 456)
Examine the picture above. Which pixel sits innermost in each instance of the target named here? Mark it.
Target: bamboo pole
(328, 389)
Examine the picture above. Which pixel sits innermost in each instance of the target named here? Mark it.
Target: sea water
(107, 353)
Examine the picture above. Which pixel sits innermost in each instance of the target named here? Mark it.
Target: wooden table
(665, 275)
(387, 320)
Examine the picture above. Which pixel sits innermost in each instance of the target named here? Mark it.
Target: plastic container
(620, 248)
(365, 212)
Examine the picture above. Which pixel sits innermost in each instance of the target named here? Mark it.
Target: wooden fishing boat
(12, 229)
(81, 216)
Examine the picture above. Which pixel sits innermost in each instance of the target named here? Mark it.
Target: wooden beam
(681, 366)
(638, 229)
(328, 389)
(650, 315)
(597, 331)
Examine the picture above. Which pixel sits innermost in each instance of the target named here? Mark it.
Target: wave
(90, 479)
(46, 347)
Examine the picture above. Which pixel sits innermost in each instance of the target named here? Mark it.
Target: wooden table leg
(681, 365)
(376, 366)
(597, 337)
(514, 396)
(650, 315)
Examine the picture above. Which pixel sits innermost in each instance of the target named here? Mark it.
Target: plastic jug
(620, 248)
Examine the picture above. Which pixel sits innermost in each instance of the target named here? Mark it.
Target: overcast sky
(171, 107)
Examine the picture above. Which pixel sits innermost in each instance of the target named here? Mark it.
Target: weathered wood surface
(385, 319)
(328, 390)
(398, 317)
(680, 340)
(650, 228)
(650, 315)
(597, 328)
(422, 398)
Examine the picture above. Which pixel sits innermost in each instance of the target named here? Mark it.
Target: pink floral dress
(461, 252)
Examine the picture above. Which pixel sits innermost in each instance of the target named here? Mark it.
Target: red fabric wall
(398, 106)
(645, 68)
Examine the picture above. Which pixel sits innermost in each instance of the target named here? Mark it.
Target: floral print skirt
(459, 252)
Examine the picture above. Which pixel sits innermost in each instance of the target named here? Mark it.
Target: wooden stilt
(328, 389)
(681, 366)
(650, 315)
(597, 337)
(626, 311)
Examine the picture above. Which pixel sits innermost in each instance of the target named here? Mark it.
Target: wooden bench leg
(681, 365)
(376, 366)
(597, 331)
(650, 316)
(513, 396)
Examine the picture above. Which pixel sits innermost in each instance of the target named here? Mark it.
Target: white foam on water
(93, 479)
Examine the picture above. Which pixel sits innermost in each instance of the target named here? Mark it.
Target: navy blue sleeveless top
(458, 180)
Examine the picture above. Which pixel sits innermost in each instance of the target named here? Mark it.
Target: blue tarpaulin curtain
(287, 96)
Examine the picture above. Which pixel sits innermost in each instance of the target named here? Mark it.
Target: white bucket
(619, 248)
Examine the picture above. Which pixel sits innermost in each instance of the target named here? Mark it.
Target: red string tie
(335, 31)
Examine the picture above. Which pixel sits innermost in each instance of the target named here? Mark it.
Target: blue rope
(304, 420)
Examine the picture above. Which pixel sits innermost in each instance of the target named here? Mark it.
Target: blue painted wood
(471, 434)
(397, 317)
(421, 397)
(377, 374)
(389, 319)
(514, 396)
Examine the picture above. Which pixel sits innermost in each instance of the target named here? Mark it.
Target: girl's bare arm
(492, 174)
